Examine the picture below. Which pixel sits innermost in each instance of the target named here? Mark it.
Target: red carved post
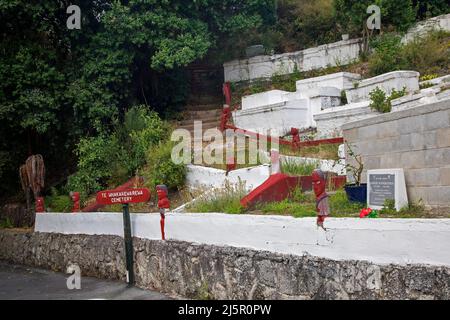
(224, 118)
(75, 196)
(227, 93)
(322, 207)
(40, 205)
(163, 204)
(295, 137)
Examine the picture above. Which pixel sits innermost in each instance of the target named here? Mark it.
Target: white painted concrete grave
(340, 80)
(386, 184)
(384, 241)
(275, 112)
(387, 82)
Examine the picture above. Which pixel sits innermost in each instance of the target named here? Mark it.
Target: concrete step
(202, 114)
(205, 126)
(203, 120)
(203, 107)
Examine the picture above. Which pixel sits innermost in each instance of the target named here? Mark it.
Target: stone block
(402, 143)
(435, 120)
(351, 135)
(386, 130)
(412, 160)
(432, 196)
(423, 177)
(390, 160)
(445, 176)
(410, 124)
(437, 157)
(423, 140)
(443, 137)
(371, 162)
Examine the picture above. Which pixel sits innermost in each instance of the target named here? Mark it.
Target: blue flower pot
(357, 193)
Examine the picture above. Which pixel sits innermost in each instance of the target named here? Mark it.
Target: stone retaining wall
(200, 271)
(415, 139)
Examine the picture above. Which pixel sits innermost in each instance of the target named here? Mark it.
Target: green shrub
(386, 56)
(380, 102)
(427, 55)
(96, 158)
(6, 223)
(296, 168)
(289, 207)
(161, 169)
(340, 205)
(391, 55)
(57, 202)
(112, 159)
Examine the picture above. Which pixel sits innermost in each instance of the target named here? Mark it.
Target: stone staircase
(205, 109)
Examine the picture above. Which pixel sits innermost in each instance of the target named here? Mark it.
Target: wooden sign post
(125, 197)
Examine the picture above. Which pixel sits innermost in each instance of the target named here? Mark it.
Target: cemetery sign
(124, 197)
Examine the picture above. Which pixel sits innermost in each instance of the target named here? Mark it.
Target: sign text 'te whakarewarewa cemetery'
(108, 197)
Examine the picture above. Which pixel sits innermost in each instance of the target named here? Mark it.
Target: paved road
(19, 282)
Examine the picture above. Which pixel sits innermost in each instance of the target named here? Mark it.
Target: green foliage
(289, 207)
(391, 55)
(386, 57)
(111, 159)
(352, 16)
(388, 207)
(225, 200)
(340, 205)
(380, 102)
(6, 223)
(305, 24)
(294, 168)
(57, 202)
(59, 85)
(435, 59)
(161, 169)
(431, 8)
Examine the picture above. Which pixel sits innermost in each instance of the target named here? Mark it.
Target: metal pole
(128, 245)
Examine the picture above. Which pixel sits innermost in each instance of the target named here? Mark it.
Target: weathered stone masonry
(193, 270)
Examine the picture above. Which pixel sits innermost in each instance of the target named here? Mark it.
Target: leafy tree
(58, 85)
(352, 16)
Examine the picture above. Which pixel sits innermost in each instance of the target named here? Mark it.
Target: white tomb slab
(276, 112)
(387, 82)
(275, 119)
(329, 122)
(267, 98)
(386, 184)
(340, 80)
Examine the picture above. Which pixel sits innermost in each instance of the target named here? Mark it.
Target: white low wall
(206, 178)
(337, 167)
(422, 28)
(332, 54)
(384, 241)
(387, 82)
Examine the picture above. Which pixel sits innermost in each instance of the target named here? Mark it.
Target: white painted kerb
(384, 241)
